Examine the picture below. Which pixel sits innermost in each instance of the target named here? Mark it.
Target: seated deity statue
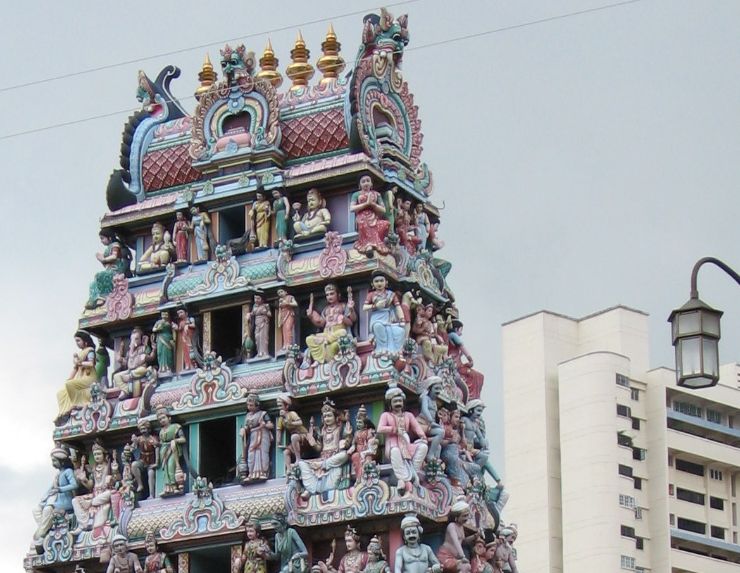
(427, 417)
(133, 364)
(76, 391)
(353, 561)
(336, 319)
(58, 499)
(159, 253)
(316, 219)
(93, 510)
(387, 324)
(116, 259)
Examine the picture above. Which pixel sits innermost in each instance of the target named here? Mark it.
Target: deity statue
(93, 509)
(353, 561)
(181, 234)
(159, 252)
(425, 333)
(427, 417)
(364, 443)
(459, 464)
(256, 436)
(76, 391)
(406, 456)
(165, 336)
(457, 351)
(116, 259)
(187, 340)
(255, 550)
(291, 433)
(372, 227)
(134, 364)
(102, 361)
(336, 318)
(422, 224)
(504, 556)
(316, 219)
(259, 217)
(387, 324)
(259, 317)
(123, 561)
(482, 554)
(376, 559)
(58, 499)
(414, 556)
(451, 553)
(156, 561)
(330, 469)
(281, 209)
(287, 306)
(171, 444)
(148, 447)
(288, 544)
(199, 225)
(405, 228)
(475, 437)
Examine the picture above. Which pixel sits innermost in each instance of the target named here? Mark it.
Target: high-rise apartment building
(611, 466)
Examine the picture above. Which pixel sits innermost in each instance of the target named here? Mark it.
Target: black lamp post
(695, 333)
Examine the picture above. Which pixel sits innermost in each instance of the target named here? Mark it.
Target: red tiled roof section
(167, 167)
(314, 133)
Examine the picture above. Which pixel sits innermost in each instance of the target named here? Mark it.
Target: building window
(638, 483)
(690, 496)
(717, 532)
(217, 447)
(635, 394)
(686, 408)
(635, 424)
(626, 501)
(622, 380)
(626, 531)
(639, 543)
(638, 513)
(715, 474)
(716, 503)
(625, 471)
(639, 453)
(623, 440)
(714, 416)
(690, 467)
(623, 410)
(691, 525)
(627, 562)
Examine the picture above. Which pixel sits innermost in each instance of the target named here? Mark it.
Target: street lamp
(695, 333)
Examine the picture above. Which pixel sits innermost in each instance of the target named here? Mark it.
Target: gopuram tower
(269, 372)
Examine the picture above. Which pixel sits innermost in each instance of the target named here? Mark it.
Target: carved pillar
(183, 563)
(206, 332)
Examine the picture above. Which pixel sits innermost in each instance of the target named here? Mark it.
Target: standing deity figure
(422, 224)
(315, 220)
(433, 347)
(451, 554)
(187, 340)
(457, 349)
(336, 318)
(256, 435)
(475, 438)
(171, 444)
(281, 209)
(353, 561)
(504, 556)
(165, 337)
(156, 561)
(134, 364)
(199, 225)
(159, 253)
(459, 464)
(327, 471)
(255, 550)
(259, 217)
(414, 556)
(291, 433)
(482, 554)
(405, 229)
(122, 560)
(58, 499)
(364, 443)
(287, 306)
(427, 417)
(93, 509)
(406, 456)
(372, 227)
(387, 323)
(259, 317)
(147, 446)
(181, 235)
(288, 544)
(76, 391)
(116, 259)
(376, 559)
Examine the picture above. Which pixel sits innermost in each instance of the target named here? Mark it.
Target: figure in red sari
(372, 227)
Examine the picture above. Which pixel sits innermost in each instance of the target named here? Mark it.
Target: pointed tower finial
(331, 63)
(299, 70)
(206, 76)
(268, 66)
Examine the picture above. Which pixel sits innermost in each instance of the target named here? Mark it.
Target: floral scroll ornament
(120, 302)
(211, 384)
(333, 259)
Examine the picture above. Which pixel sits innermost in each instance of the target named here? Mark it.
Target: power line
(191, 48)
(424, 46)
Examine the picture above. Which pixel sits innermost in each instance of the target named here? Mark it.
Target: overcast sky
(582, 162)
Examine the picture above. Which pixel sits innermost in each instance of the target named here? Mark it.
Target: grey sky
(582, 162)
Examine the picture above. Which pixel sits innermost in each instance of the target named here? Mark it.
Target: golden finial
(268, 67)
(331, 63)
(299, 71)
(206, 77)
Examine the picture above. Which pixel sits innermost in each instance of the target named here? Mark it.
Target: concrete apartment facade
(610, 465)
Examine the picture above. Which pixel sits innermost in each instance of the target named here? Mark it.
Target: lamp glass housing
(695, 330)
